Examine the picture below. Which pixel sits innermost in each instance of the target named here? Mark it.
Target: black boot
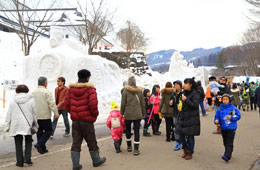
(97, 161)
(117, 146)
(136, 149)
(155, 132)
(129, 146)
(146, 133)
(75, 157)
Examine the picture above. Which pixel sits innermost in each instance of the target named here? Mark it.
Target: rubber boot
(97, 161)
(146, 133)
(75, 157)
(117, 146)
(129, 146)
(136, 149)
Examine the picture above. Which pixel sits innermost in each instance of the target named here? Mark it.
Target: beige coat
(44, 102)
(132, 103)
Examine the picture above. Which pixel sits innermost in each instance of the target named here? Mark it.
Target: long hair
(154, 89)
(192, 82)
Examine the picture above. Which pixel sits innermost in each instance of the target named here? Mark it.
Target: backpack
(115, 122)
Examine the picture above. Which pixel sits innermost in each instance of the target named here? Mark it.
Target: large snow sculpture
(65, 57)
(180, 69)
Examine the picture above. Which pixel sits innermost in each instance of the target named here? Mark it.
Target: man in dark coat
(257, 98)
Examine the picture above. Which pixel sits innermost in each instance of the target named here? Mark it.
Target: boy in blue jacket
(227, 116)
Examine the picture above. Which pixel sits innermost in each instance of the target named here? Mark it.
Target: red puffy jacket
(81, 101)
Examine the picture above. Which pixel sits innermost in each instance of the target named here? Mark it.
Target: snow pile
(180, 69)
(244, 78)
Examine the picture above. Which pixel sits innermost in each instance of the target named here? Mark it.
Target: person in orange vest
(209, 98)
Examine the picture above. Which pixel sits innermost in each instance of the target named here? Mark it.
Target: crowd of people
(178, 103)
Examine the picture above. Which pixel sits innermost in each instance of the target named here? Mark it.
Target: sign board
(10, 84)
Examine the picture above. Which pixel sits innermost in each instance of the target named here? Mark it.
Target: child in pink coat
(116, 124)
(155, 100)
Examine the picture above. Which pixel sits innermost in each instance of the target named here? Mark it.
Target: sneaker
(51, 137)
(225, 158)
(177, 147)
(66, 135)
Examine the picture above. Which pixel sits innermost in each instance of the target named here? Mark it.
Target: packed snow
(56, 57)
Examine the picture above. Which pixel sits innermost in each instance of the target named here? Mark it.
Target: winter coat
(45, 103)
(117, 133)
(201, 93)
(148, 106)
(176, 98)
(223, 112)
(164, 106)
(155, 100)
(82, 103)
(189, 119)
(132, 103)
(257, 96)
(208, 93)
(252, 90)
(214, 86)
(15, 121)
(225, 90)
(62, 94)
(236, 99)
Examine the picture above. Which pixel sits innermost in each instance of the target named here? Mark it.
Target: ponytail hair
(192, 82)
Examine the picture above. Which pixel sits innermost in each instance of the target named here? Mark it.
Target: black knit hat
(83, 75)
(178, 82)
(212, 78)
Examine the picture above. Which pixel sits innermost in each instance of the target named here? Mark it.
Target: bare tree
(23, 20)
(131, 37)
(97, 20)
(251, 49)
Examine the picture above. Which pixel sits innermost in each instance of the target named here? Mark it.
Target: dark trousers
(64, 114)
(209, 101)
(83, 130)
(136, 129)
(228, 141)
(44, 132)
(188, 143)
(169, 127)
(18, 139)
(252, 103)
(157, 121)
(146, 124)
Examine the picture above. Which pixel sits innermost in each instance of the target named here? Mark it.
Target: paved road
(156, 154)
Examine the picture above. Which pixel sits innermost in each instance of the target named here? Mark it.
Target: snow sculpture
(180, 69)
(65, 57)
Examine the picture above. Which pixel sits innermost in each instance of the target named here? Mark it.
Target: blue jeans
(64, 114)
(188, 142)
(202, 108)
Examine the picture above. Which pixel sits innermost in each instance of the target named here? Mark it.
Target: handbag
(115, 122)
(33, 128)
